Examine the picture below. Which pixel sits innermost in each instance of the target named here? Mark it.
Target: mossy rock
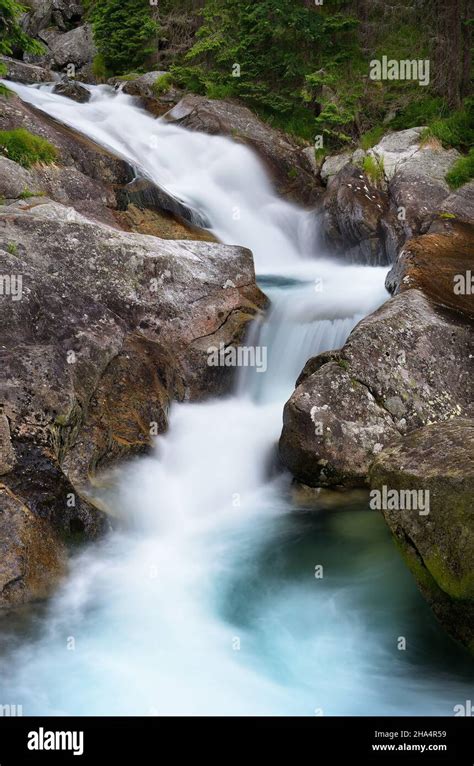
(438, 546)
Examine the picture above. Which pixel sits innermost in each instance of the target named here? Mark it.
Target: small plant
(12, 248)
(25, 148)
(373, 169)
(372, 137)
(462, 171)
(27, 194)
(162, 84)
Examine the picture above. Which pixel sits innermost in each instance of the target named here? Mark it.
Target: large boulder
(353, 213)
(285, 159)
(32, 559)
(405, 366)
(72, 89)
(111, 326)
(27, 74)
(75, 47)
(437, 545)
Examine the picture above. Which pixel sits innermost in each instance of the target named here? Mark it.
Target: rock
(147, 195)
(143, 85)
(74, 47)
(159, 224)
(405, 366)
(289, 166)
(38, 17)
(111, 326)
(460, 203)
(65, 13)
(397, 148)
(7, 454)
(72, 89)
(352, 214)
(333, 164)
(13, 179)
(439, 546)
(438, 264)
(27, 74)
(32, 559)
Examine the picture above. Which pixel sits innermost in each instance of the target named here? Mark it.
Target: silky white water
(206, 601)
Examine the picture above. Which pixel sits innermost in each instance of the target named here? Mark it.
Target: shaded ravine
(206, 601)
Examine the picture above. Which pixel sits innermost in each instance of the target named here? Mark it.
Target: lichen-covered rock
(287, 163)
(405, 366)
(438, 546)
(7, 454)
(32, 559)
(110, 327)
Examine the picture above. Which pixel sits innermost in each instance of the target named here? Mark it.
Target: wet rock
(288, 165)
(73, 90)
(438, 546)
(147, 195)
(405, 366)
(27, 74)
(352, 213)
(32, 559)
(111, 326)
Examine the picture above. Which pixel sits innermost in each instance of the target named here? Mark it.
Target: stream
(206, 599)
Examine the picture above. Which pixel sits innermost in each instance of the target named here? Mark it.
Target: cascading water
(205, 601)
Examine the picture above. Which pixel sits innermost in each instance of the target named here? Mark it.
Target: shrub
(23, 147)
(462, 171)
(162, 84)
(124, 32)
(372, 137)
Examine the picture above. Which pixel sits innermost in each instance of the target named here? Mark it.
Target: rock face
(286, 160)
(112, 326)
(439, 264)
(403, 367)
(32, 559)
(352, 219)
(437, 546)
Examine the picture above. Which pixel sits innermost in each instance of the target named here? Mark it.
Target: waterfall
(205, 600)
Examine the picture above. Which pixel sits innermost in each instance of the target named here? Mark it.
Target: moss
(25, 148)
(12, 248)
(458, 588)
(27, 194)
(343, 364)
(462, 171)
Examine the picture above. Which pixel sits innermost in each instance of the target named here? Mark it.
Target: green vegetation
(23, 147)
(302, 67)
(462, 171)
(162, 84)
(27, 194)
(12, 248)
(12, 36)
(124, 33)
(373, 169)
